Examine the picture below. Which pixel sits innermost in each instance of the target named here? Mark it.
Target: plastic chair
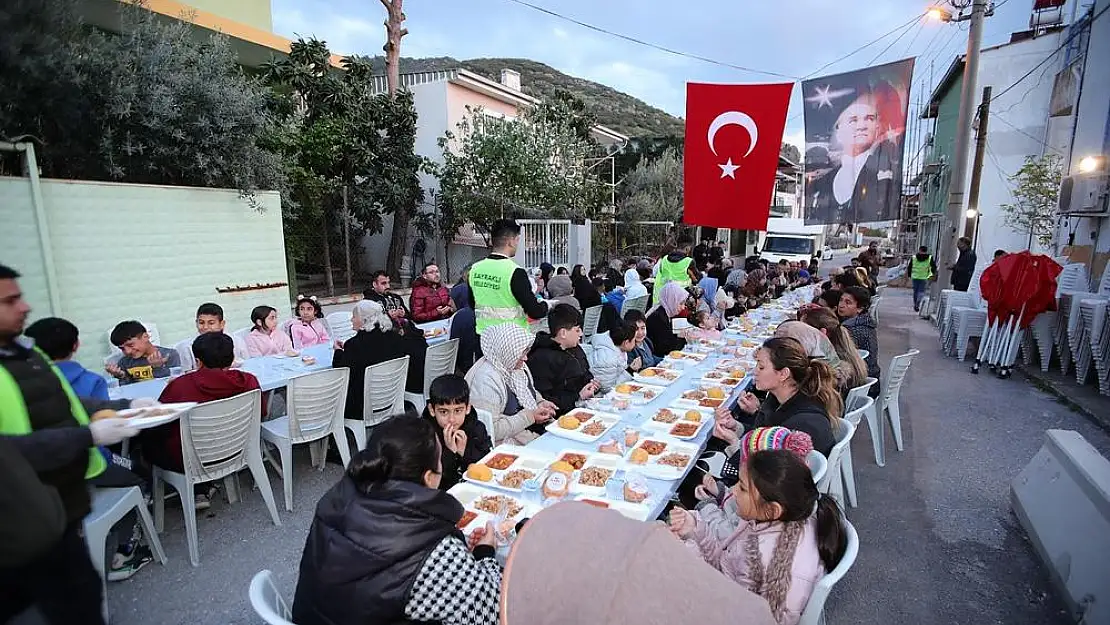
(818, 465)
(833, 483)
(109, 506)
(590, 318)
(846, 468)
(268, 602)
(218, 439)
(240, 335)
(314, 410)
(383, 395)
(184, 349)
(439, 360)
(874, 310)
(858, 398)
(636, 303)
(814, 613)
(537, 326)
(893, 378)
(863, 353)
(339, 325)
(951, 298)
(486, 418)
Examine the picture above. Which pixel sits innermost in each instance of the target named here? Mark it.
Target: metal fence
(326, 253)
(546, 240)
(619, 239)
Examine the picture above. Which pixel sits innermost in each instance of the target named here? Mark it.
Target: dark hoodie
(862, 329)
(478, 444)
(202, 385)
(559, 374)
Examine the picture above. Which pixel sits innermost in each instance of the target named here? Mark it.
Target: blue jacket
(85, 383)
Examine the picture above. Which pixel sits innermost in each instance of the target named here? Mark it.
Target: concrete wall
(143, 251)
(254, 13)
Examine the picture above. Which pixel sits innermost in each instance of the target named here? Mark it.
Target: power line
(1020, 131)
(864, 46)
(913, 40)
(892, 43)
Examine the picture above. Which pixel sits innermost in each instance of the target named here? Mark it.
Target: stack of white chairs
(1099, 332)
(1066, 337)
(339, 326)
(1084, 343)
(1042, 332)
(964, 322)
(950, 298)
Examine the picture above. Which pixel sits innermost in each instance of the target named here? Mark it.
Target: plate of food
(635, 511)
(661, 458)
(584, 426)
(722, 378)
(638, 391)
(657, 375)
(594, 473)
(677, 355)
(148, 417)
(481, 506)
(506, 467)
(683, 424)
(432, 333)
(708, 396)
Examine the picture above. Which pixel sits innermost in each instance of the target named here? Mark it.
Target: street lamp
(1091, 164)
(939, 14)
(971, 213)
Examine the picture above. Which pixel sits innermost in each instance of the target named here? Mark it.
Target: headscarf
(502, 347)
(559, 286)
(736, 277)
(671, 298)
(708, 288)
(372, 314)
(631, 277)
(543, 584)
(816, 344)
(754, 286)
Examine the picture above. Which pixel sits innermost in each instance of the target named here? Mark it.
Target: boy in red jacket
(430, 299)
(214, 379)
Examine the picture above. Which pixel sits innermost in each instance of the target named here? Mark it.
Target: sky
(790, 37)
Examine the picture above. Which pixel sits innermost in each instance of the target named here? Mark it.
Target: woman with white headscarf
(672, 305)
(634, 283)
(501, 384)
(377, 340)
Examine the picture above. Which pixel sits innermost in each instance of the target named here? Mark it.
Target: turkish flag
(733, 135)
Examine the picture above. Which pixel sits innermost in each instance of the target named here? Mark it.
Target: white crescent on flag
(734, 118)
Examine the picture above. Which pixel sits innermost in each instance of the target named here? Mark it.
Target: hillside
(613, 108)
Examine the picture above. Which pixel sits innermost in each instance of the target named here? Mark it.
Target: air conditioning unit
(1083, 194)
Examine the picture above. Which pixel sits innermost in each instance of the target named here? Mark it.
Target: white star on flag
(728, 169)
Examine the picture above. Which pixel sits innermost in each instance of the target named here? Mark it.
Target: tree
(1036, 187)
(153, 104)
(790, 152)
(529, 167)
(653, 190)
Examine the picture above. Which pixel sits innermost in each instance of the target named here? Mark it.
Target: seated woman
(501, 383)
(819, 346)
(383, 546)
(853, 312)
(853, 370)
(377, 341)
(791, 535)
(308, 328)
(801, 395)
(672, 305)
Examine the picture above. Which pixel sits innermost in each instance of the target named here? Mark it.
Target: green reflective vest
(921, 270)
(671, 272)
(14, 419)
(493, 297)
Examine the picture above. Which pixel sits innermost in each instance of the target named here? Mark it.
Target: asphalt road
(939, 542)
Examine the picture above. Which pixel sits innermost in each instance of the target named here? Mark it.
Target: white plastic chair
(814, 613)
(833, 483)
(218, 439)
(486, 418)
(383, 395)
(109, 506)
(863, 353)
(241, 334)
(339, 326)
(846, 468)
(818, 465)
(893, 378)
(858, 398)
(874, 310)
(636, 303)
(439, 360)
(184, 349)
(951, 298)
(314, 410)
(268, 602)
(590, 318)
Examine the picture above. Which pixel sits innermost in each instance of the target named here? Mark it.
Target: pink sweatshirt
(727, 554)
(308, 334)
(710, 335)
(259, 344)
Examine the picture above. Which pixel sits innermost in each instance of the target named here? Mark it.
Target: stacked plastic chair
(1099, 332)
(1041, 337)
(967, 317)
(1089, 332)
(950, 298)
(1079, 326)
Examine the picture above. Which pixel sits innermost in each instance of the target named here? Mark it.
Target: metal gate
(545, 240)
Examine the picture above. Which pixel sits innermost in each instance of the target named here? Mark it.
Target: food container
(592, 425)
(510, 466)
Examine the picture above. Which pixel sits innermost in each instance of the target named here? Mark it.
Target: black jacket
(478, 444)
(364, 551)
(34, 517)
(559, 374)
(800, 412)
(661, 333)
(964, 270)
(371, 347)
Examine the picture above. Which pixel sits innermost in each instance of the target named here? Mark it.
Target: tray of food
(684, 424)
(635, 511)
(594, 473)
(506, 467)
(638, 391)
(657, 375)
(722, 378)
(148, 417)
(481, 506)
(661, 458)
(708, 397)
(584, 426)
(677, 355)
(432, 333)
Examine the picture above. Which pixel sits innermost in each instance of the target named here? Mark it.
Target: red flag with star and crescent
(733, 136)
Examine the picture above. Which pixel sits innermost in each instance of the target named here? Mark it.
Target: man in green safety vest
(500, 291)
(676, 267)
(922, 269)
(48, 425)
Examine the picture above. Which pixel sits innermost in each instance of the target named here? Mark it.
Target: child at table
(214, 379)
(210, 318)
(643, 354)
(463, 439)
(265, 338)
(141, 360)
(705, 326)
(308, 328)
(789, 537)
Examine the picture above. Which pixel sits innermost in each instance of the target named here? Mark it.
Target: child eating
(308, 329)
(705, 326)
(463, 439)
(142, 360)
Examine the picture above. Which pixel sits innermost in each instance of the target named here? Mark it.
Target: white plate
(726, 382)
(469, 494)
(689, 356)
(528, 459)
(136, 416)
(665, 428)
(641, 391)
(608, 462)
(656, 379)
(610, 420)
(634, 511)
(662, 471)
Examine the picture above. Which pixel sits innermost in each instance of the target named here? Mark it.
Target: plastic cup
(175, 372)
(530, 491)
(614, 489)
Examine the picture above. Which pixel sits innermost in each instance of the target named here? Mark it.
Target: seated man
(558, 364)
(214, 379)
(430, 300)
(210, 318)
(392, 303)
(142, 360)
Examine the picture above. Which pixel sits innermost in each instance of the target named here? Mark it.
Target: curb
(1054, 389)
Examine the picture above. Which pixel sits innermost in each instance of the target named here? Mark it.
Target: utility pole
(955, 212)
(971, 224)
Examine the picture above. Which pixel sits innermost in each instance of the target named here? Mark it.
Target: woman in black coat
(376, 341)
(660, 331)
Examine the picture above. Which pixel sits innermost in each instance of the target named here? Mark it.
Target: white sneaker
(202, 502)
